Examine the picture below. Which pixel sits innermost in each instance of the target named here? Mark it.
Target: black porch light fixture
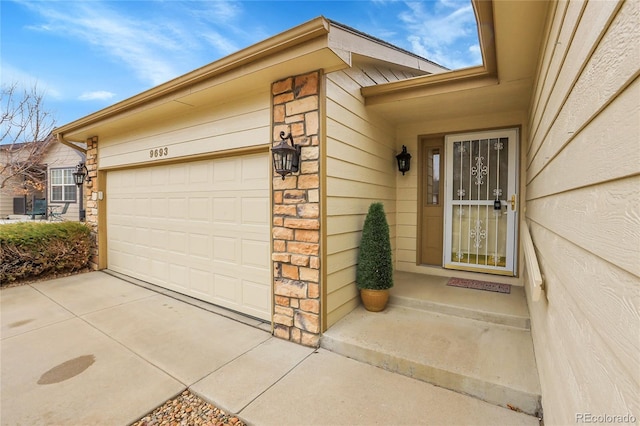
(286, 158)
(80, 174)
(404, 160)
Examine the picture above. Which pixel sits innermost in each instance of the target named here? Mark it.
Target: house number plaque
(158, 152)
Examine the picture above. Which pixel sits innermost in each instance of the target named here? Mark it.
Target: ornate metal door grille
(481, 174)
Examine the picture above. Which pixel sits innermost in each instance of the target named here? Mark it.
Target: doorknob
(513, 202)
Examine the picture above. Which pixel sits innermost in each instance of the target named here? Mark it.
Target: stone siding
(296, 213)
(91, 206)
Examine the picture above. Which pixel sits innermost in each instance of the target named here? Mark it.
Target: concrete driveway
(95, 349)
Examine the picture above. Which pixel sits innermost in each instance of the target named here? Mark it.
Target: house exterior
(18, 191)
(55, 183)
(541, 141)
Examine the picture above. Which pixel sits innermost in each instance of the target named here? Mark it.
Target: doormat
(480, 285)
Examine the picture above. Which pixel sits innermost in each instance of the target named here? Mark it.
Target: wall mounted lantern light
(286, 158)
(80, 174)
(404, 160)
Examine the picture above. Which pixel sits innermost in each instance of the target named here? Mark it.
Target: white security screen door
(481, 201)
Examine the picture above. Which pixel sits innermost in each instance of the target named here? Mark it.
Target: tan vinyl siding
(583, 209)
(360, 170)
(218, 126)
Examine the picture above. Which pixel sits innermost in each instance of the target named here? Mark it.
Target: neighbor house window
(62, 186)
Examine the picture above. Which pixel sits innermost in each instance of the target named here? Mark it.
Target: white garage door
(199, 228)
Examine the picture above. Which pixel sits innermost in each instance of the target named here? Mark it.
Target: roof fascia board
(482, 75)
(450, 85)
(350, 41)
(486, 34)
(318, 27)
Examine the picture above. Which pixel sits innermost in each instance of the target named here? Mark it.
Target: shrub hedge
(29, 250)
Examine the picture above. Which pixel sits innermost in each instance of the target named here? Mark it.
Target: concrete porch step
(489, 361)
(431, 293)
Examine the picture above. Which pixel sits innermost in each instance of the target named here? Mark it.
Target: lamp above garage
(80, 174)
(286, 157)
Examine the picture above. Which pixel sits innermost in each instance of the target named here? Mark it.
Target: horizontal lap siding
(360, 170)
(583, 209)
(240, 123)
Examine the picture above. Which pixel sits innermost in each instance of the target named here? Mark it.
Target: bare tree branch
(25, 130)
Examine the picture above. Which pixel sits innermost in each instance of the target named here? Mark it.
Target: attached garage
(200, 228)
(183, 193)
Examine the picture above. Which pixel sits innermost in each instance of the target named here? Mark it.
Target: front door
(481, 201)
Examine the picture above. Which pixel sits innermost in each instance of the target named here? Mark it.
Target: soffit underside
(447, 104)
(518, 30)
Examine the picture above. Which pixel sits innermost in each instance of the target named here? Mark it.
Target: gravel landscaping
(188, 409)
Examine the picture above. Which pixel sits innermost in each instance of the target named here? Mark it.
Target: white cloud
(101, 95)
(447, 34)
(220, 43)
(145, 46)
(219, 12)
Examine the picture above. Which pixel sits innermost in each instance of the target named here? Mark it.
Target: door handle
(513, 202)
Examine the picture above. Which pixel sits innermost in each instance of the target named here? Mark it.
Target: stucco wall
(360, 164)
(583, 209)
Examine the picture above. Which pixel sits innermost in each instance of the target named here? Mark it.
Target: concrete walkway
(95, 349)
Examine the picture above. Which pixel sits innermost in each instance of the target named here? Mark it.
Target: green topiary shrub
(375, 268)
(30, 250)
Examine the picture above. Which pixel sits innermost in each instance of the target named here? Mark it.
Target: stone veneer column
(296, 213)
(91, 206)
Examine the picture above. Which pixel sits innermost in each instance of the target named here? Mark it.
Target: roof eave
(482, 74)
(310, 30)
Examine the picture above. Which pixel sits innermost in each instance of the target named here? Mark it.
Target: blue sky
(87, 55)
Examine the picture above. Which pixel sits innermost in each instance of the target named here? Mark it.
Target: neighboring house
(22, 177)
(61, 161)
(55, 184)
(184, 195)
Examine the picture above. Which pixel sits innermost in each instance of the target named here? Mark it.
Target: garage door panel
(199, 173)
(200, 282)
(254, 295)
(159, 177)
(254, 211)
(199, 228)
(256, 254)
(178, 275)
(159, 207)
(227, 288)
(225, 210)
(159, 269)
(159, 239)
(142, 207)
(199, 246)
(177, 176)
(253, 170)
(225, 173)
(225, 250)
(177, 242)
